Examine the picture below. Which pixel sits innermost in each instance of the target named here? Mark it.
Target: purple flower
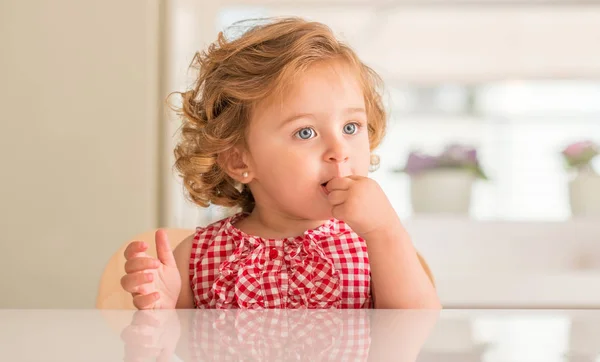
(418, 162)
(454, 156)
(580, 154)
(459, 154)
(578, 148)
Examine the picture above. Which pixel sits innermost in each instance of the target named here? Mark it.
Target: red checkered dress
(326, 267)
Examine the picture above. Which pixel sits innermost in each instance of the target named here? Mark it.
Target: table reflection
(277, 335)
(307, 335)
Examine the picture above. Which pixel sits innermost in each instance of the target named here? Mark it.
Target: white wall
(190, 26)
(78, 143)
(408, 41)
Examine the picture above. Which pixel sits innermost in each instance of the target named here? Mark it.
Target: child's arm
(182, 257)
(399, 280)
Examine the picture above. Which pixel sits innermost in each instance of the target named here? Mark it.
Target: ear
(235, 163)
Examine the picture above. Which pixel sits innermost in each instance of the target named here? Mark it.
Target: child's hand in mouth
(361, 203)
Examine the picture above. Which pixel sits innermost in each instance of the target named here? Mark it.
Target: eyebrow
(311, 115)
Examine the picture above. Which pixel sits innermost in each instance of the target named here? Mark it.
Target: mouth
(324, 187)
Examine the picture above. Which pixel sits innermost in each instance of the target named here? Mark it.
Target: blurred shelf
(521, 290)
(449, 220)
(451, 241)
(511, 264)
(426, 119)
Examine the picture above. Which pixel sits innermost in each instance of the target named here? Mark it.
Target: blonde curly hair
(236, 74)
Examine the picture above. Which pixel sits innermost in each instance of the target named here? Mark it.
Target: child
(281, 122)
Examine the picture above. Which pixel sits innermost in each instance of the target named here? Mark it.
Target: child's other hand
(361, 203)
(152, 334)
(154, 283)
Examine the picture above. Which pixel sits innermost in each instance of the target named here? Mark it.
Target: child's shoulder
(223, 228)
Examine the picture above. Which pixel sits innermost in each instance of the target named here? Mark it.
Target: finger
(133, 283)
(146, 318)
(339, 211)
(337, 197)
(163, 249)
(146, 301)
(136, 336)
(140, 264)
(134, 249)
(339, 183)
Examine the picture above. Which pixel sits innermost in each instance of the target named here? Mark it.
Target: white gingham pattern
(326, 267)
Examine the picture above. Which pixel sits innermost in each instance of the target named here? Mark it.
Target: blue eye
(305, 133)
(350, 128)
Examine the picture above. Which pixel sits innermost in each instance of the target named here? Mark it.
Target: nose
(337, 151)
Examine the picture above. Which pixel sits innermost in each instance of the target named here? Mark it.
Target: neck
(273, 224)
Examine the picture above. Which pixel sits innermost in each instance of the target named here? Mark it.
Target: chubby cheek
(362, 158)
(363, 164)
(286, 170)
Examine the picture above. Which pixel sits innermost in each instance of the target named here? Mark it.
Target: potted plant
(443, 183)
(584, 186)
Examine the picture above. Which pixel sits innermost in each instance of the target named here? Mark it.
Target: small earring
(245, 174)
(374, 164)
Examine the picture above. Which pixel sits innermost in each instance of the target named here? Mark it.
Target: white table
(276, 335)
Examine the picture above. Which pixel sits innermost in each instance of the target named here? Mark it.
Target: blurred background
(500, 99)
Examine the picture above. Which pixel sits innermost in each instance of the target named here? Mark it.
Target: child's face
(316, 131)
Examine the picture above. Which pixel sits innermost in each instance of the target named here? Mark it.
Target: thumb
(163, 248)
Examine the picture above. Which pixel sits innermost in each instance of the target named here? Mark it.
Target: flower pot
(583, 337)
(584, 194)
(445, 191)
